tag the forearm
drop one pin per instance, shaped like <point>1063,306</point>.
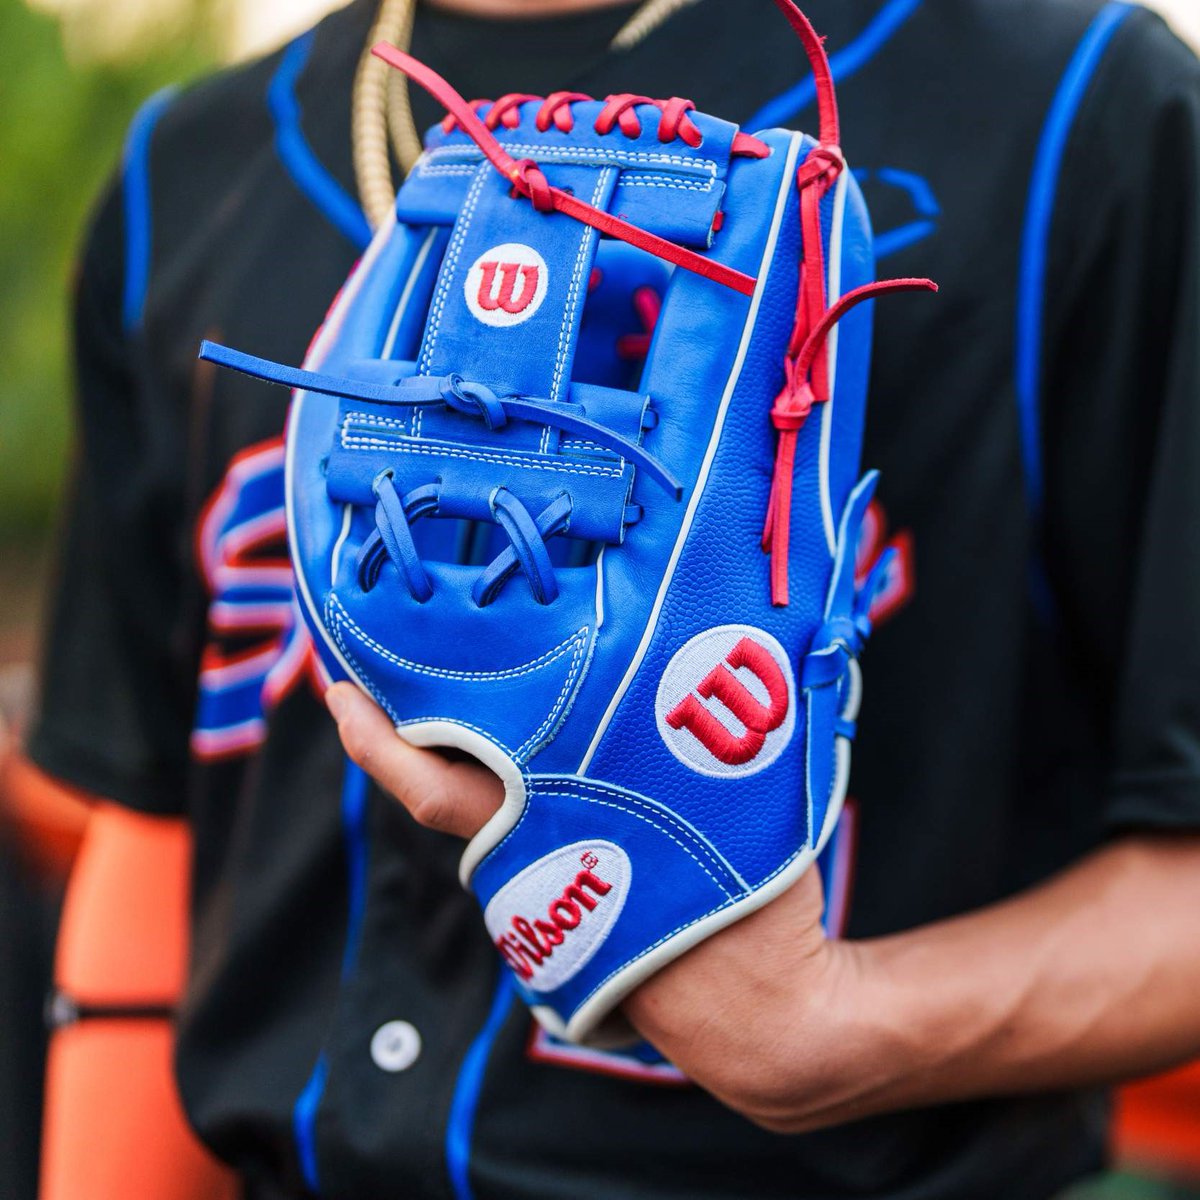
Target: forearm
<point>114,1124</point>
<point>1086,979</point>
<point>1089,978</point>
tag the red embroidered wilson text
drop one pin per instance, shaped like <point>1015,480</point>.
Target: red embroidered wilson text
<point>527,944</point>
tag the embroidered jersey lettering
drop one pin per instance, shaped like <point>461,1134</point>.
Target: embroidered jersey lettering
<point>241,550</point>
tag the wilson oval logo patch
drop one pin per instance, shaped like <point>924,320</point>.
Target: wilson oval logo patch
<point>550,920</point>
<point>726,704</point>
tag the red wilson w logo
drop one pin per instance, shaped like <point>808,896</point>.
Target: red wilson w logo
<point>505,298</point>
<point>506,285</point>
<point>721,684</point>
<point>725,704</point>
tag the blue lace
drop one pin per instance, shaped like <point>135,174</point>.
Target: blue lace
<point>392,537</point>
<point>842,638</point>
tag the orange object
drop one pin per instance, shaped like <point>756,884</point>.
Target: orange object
<point>1158,1122</point>
<point>115,1128</point>
<point>46,817</point>
<point>124,934</point>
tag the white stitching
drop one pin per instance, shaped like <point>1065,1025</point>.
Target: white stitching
<point>570,444</point>
<point>342,617</point>
<point>335,629</point>
<point>533,742</point>
<point>632,179</point>
<point>535,739</point>
<point>449,266</point>
<point>629,178</point>
<point>547,154</point>
<point>350,442</point>
<point>447,169</point>
<point>573,292</point>
<point>664,830</point>
<point>370,419</point>
<point>585,785</point>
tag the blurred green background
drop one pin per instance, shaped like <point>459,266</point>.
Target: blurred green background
<point>60,136</point>
<point>72,74</point>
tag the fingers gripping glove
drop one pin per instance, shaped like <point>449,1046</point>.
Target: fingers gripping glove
<point>529,463</point>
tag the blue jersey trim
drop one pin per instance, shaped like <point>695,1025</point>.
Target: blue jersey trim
<point>461,1124</point>
<point>299,160</point>
<point>135,189</point>
<point>355,790</point>
<point>846,62</point>
<point>304,1119</point>
<point>1035,246</point>
<point>925,205</point>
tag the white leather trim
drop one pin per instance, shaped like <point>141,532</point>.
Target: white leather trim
<point>450,734</point>
<point>312,361</point>
<point>617,988</point>
<point>335,559</point>
<point>785,187</point>
<point>406,296</point>
<point>834,290</point>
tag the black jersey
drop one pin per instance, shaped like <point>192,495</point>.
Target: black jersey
<point>1033,684</point>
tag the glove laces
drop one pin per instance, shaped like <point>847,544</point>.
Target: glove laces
<point>392,537</point>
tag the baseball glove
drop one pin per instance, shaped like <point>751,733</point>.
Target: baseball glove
<point>573,486</point>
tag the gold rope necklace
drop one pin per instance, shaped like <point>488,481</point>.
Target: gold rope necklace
<point>382,120</point>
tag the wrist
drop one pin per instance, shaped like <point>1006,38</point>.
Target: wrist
<point>851,1038</point>
<point>836,1052</point>
<point>769,1016</point>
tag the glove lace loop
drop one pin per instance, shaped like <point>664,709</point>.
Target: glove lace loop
<point>619,111</point>
<point>392,537</point>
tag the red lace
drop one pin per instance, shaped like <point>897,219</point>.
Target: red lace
<point>806,364</point>
<point>528,181</point>
<point>647,303</point>
<point>806,369</point>
<point>792,406</point>
<point>557,110</point>
<point>674,122</point>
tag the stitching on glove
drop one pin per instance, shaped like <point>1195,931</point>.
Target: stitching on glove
<point>339,614</point>
<point>622,797</point>
<point>618,158</point>
<point>449,269</point>
<point>661,828</point>
<point>574,293</point>
<point>538,738</point>
<point>631,180</point>
<point>446,448</point>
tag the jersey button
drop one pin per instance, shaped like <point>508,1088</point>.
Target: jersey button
<point>395,1046</point>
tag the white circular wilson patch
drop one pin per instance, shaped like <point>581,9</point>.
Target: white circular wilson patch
<point>726,704</point>
<point>507,285</point>
<point>549,920</point>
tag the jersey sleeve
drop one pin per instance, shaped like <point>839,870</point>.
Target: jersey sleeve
<point>1122,423</point>
<point>116,684</point>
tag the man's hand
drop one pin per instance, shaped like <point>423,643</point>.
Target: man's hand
<point>1088,978</point>
<point>722,1010</point>
<point>456,797</point>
